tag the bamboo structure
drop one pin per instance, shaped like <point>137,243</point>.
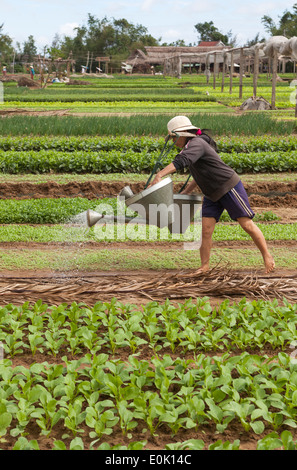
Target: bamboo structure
<point>276,50</point>
<point>46,64</point>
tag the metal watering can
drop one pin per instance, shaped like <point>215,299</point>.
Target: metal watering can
<point>156,205</point>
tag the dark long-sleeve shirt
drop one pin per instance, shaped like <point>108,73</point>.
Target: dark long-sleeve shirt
<point>210,173</point>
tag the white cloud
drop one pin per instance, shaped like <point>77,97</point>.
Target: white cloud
<point>262,8</point>
<point>42,41</point>
<point>211,8</point>
<point>67,29</point>
<point>147,5</point>
<point>171,35</point>
<point>117,7</point>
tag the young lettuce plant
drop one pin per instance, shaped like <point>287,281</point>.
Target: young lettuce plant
<point>146,410</point>
<point>100,419</point>
<point>5,420</point>
<point>127,421</point>
<point>74,415</point>
<point>49,412</point>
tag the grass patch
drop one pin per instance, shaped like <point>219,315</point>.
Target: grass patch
<point>128,178</point>
<point>65,259</point>
<point>80,233</point>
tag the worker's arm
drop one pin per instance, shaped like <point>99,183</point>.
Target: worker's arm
<point>190,187</point>
<point>168,170</point>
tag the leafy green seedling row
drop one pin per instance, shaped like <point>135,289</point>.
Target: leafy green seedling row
<point>79,161</point>
<point>46,210</point>
<point>61,210</point>
<point>114,327</point>
<point>272,441</point>
<point>95,396</point>
<point>239,144</point>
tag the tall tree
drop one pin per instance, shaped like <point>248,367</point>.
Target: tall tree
<point>209,32</point>
<point>254,41</point>
<point>287,25</point>
<point>106,37</point>
<point>6,48</point>
<point>29,48</point>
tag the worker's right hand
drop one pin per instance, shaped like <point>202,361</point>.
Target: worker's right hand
<point>156,180</point>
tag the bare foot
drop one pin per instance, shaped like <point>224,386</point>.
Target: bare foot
<point>201,270</point>
<point>269,263</point>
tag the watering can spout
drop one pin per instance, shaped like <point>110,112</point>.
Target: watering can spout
<point>126,192</point>
<point>93,217</point>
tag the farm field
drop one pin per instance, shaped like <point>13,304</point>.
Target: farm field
<point>109,339</point>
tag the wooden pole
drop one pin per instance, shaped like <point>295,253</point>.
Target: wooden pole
<point>207,68</point>
<point>223,73</point>
<point>87,64</point>
<point>91,62</point>
<point>296,103</point>
<point>274,77</point>
<point>179,66</point>
<point>231,73</point>
<point>214,70</point>
<point>40,71</point>
<point>241,73</point>
<point>296,92</point>
<point>256,70</point>
<point>69,64</point>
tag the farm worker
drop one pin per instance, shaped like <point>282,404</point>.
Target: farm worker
<point>220,185</point>
<point>32,72</point>
<point>4,70</point>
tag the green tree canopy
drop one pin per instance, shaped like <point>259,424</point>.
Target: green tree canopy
<point>255,40</point>
<point>29,48</point>
<point>6,48</point>
<point>106,37</point>
<point>209,32</point>
<point>287,25</point>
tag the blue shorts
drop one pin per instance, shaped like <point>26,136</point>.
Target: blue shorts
<point>235,202</point>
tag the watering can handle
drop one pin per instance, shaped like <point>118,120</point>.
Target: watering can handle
<point>160,158</point>
<point>184,185</point>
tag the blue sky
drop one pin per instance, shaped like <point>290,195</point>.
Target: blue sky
<point>169,19</point>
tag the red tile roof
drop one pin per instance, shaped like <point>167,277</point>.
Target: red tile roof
<point>209,43</point>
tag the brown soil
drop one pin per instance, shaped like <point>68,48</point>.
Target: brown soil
<point>27,112</point>
<point>271,193</point>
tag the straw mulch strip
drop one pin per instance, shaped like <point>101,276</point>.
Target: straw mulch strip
<point>216,283</point>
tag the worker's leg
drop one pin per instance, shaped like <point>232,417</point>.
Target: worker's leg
<point>208,226</point>
<point>211,213</point>
<point>257,236</point>
<point>237,204</point>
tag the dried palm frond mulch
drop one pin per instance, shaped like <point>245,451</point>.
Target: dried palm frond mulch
<point>90,288</point>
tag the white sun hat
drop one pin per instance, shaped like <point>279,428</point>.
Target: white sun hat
<point>180,125</point>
